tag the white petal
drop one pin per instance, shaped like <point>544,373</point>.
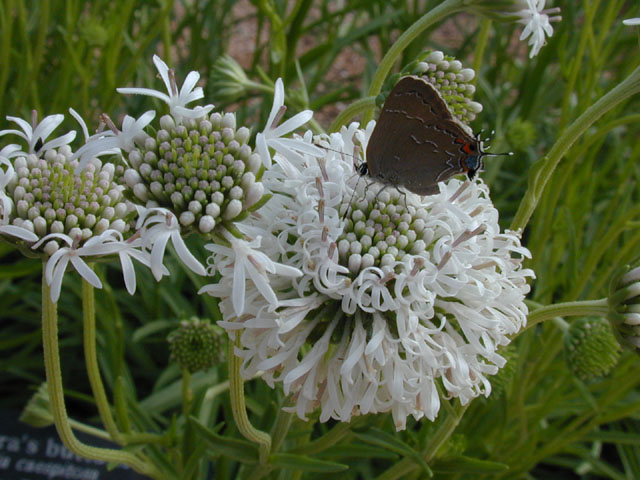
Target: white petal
<point>80,120</point>
<point>24,125</point>
<point>278,101</point>
<point>163,70</point>
<point>238,289</point>
<point>19,232</point>
<point>188,86</point>
<point>55,280</point>
<point>196,112</point>
<point>157,254</point>
<point>65,139</point>
<point>85,271</point>
<point>292,123</point>
<point>263,150</point>
<point>144,91</point>
<point>185,255</point>
<point>128,272</point>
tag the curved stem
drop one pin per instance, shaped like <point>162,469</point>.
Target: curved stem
<point>568,309</point>
<point>238,405</point>
<point>541,172</point>
<point>91,362</point>
<point>432,16</point>
<point>439,437</point>
<point>356,108</point>
<point>56,396</point>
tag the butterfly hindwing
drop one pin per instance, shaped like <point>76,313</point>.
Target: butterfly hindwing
<point>417,142</point>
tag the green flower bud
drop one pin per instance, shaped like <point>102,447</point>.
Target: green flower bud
<point>591,349</point>
<point>228,82</point>
<point>520,134</point>
<point>624,306</point>
<point>196,345</point>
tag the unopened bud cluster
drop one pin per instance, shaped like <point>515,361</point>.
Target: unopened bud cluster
<point>380,233</point>
<point>201,169</point>
<point>591,348</point>
<point>452,81</point>
<point>49,197</point>
<point>196,345</point>
<point>624,306</point>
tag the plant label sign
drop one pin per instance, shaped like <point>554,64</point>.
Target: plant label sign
<point>28,453</point>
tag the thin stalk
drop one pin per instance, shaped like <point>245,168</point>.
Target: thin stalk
<point>239,408</point>
<point>356,108</point>
<point>56,396</point>
<point>408,465</point>
<point>481,46</point>
<point>541,172</point>
<point>443,10</point>
<point>91,362</point>
<point>568,309</point>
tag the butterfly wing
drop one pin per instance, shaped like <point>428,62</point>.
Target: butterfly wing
<point>416,142</point>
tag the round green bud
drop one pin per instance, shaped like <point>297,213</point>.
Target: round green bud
<point>196,345</point>
<point>591,348</point>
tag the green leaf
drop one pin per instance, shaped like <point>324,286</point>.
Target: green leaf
<point>234,448</point>
<point>358,451</point>
<point>304,463</point>
<point>151,328</point>
<point>462,464</point>
<point>390,442</point>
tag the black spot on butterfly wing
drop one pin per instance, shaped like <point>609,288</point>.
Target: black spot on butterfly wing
<point>417,142</point>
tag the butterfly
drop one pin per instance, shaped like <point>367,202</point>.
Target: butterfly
<point>417,142</point>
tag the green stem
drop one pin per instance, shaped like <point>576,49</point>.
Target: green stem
<point>481,46</point>
<point>187,394</point>
<point>91,361</point>
<point>239,409</point>
<point>329,439</point>
<point>56,396</point>
<point>280,429</point>
<point>356,108</point>
<point>444,431</point>
<point>541,172</point>
<point>443,10</point>
<point>569,309</point>
<point>407,465</point>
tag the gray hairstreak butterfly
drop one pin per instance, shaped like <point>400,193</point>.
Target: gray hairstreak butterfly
<point>417,142</point>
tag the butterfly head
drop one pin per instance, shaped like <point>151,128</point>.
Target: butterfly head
<point>475,152</point>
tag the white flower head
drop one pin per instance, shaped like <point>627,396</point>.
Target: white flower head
<point>105,143</point>
<point>36,135</point>
<point>272,135</point>
<point>537,24</point>
<point>177,100</point>
<point>632,22</point>
<point>400,294</point>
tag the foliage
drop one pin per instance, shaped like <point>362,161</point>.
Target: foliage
<point>57,54</point>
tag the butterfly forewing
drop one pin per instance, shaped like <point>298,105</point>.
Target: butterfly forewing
<point>416,142</point>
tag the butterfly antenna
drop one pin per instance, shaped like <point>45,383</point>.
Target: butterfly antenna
<point>355,188</point>
<point>510,154</point>
<point>487,154</point>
